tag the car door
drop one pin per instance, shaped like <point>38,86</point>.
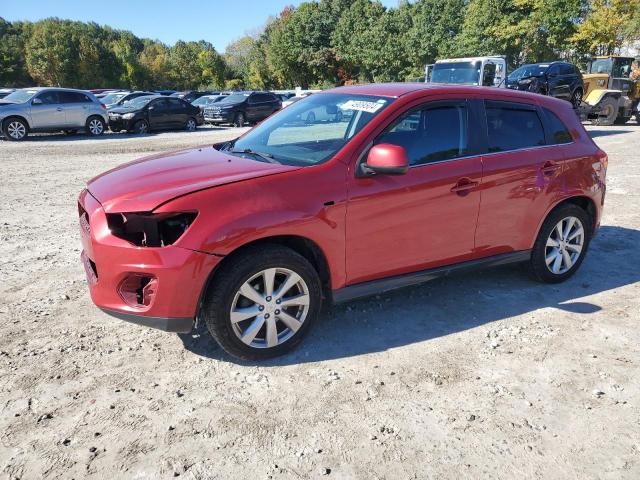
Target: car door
<point>47,111</point>
<point>177,113</point>
<point>521,177</point>
<point>158,112</point>
<point>260,106</point>
<point>426,218</point>
<point>76,108</point>
<point>555,82</point>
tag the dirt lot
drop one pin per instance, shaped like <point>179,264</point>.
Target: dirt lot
<point>479,376</point>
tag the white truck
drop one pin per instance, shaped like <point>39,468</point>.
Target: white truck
<point>486,71</point>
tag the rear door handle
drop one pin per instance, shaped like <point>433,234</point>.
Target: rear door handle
<point>464,185</point>
<point>549,168</point>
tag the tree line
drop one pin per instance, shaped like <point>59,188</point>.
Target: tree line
<point>319,44</point>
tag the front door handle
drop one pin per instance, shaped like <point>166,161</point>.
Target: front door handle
<point>59,109</point>
<point>463,186</point>
<point>549,168</point>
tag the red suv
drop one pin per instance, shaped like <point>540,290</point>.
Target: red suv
<point>393,185</point>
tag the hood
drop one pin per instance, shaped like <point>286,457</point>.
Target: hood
<point>142,185</point>
<point>113,108</point>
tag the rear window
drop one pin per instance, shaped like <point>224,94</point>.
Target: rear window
<point>513,126</point>
<point>558,130</point>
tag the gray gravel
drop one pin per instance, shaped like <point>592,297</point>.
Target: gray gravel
<point>474,376</point>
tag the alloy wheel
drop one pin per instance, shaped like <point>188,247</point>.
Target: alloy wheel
<point>96,127</point>
<point>16,130</point>
<point>270,307</point>
<point>191,125</point>
<point>564,245</point>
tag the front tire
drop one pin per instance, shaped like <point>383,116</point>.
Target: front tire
<point>15,129</point>
<point>608,112</point>
<point>262,303</point>
<point>239,120</point>
<point>576,98</point>
<point>95,126</point>
<point>140,127</point>
<point>561,244</point>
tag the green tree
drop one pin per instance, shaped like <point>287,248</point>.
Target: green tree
<point>607,25</point>
<point>51,53</point>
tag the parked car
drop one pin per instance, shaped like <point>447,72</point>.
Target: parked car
<point>291,100</point>
<point>241,107</point>
<point>202,102</point>
<point>556,79</point>
<point>6,91</point>
<point>164,92</point>
<point>118,99</point>
<point>190,96</point>
<point>251,235</point>
<point>154,112</point>
<point>49,110</point>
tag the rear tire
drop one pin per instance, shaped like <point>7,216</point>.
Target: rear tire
<point>15,129</point>
<point>263,326</point>
<point>561,244</point>
<point>576,98</point>
<point>95,126</point>
<point>191,125</point>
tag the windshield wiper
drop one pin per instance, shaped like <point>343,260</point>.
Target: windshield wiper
<point>267,157</point>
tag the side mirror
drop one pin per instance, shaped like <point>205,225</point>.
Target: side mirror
<point>385,159</point>
<point>151,108</point>
<point>36,101</point>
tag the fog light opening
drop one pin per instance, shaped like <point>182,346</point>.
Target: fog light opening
<point>138,290</point>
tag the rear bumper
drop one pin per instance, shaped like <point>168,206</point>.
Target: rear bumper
<point>179,274</point>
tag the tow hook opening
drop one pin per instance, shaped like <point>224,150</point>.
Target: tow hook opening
<point>138,290</point>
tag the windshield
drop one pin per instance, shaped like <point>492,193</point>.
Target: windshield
<point>467,73</point>
<point>527,71</point>
<point>235,98</point>
<point>139,102</point>
<point>618,67</point>
<point>310,131</point>
<point>20,96</point>
<point>112,98</point>
<point>202,101</point>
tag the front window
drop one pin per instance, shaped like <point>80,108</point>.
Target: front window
<point>201,101</point>
<point>528,71</point>
<point>20,96</point>
<point>112,98</point>
<point>235,98</point>
<point>601,65</point>
<point>467,73</point>
<point>139,102</point>
<point>622,67</point>
<point>310,131</point>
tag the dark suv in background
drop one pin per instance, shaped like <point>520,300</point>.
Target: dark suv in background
<point>556,79</point>
<point>241,107</point>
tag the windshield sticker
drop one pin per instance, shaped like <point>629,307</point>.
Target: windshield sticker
<point>369,107</point>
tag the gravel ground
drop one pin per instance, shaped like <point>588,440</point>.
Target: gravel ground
<point>473,376</point>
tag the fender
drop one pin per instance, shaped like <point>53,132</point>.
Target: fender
<point>594,97</point>
<point>240,213</point>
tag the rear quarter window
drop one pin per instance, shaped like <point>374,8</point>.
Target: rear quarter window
<point>557,129</point>
<point>513,126</point>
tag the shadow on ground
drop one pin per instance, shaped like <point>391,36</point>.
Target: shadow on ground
<point>54,137</point>
<point>453,304</point>
<point>607,133</point>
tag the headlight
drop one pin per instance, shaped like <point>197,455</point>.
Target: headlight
<point>147,229</point>
<point>128,116</point>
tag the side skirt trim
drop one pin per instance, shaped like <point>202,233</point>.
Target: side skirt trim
<point>372,287</point>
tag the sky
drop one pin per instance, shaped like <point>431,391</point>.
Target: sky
<point>216,21</point>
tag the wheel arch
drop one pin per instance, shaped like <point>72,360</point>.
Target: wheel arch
<point>19,117</point>
<point>582,201</point>
<point>301,245</point>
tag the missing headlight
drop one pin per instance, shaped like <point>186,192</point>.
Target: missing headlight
<point>150,229</point>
